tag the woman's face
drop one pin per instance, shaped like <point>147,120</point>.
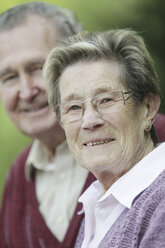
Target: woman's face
<point>107,144</point>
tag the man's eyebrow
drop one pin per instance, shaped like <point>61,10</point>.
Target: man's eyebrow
<point>35,61</point>
<point>29,63</point>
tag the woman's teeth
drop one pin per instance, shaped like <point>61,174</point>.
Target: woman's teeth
<point>97,143</point>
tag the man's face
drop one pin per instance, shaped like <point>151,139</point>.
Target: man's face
<point>23,51</point>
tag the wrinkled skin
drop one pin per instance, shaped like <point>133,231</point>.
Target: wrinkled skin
<point>122,127</point>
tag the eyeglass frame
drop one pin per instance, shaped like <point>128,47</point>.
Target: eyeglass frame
<point>94,104</point>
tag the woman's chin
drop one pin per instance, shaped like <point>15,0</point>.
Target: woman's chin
<point>96,164</point>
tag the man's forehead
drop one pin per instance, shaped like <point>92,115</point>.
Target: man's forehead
<point>34,24</point>
<point>29,43</point>
<point>27,64</point>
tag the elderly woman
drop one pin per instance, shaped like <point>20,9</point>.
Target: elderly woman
<point>104,90</point>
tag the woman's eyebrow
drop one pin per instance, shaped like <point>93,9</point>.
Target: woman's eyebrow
<point>78,97</point>
<point>72,97</point>
<point>102,90</point>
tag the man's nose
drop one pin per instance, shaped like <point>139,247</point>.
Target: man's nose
<point>27,88</point>
<point>91,118</point>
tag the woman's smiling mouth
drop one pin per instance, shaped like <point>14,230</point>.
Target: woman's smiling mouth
<point>100,142</point>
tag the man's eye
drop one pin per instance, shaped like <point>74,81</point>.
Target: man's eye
<point>38,68</point>
<point>9,78</point>
<point>35,68</point>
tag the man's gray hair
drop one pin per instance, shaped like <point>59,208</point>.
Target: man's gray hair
<point>62,20</point>
<point>123,46</point>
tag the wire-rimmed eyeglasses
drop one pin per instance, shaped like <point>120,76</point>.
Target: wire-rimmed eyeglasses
<point>74,110</point>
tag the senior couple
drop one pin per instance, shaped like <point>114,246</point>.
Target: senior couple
<point>104,91</point>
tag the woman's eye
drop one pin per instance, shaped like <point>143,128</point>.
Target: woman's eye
<point>105,100</point>
<point>74,107</point>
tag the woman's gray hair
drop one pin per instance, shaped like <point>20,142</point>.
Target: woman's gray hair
<point>62,20</point>
<point>123,46</point>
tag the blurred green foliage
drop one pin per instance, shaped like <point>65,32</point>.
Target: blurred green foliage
<point>145,16</point>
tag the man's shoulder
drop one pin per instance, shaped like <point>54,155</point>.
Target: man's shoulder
<point>23,154</point>
<point>19,163</point>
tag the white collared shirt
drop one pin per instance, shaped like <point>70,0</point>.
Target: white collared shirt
<point>102,210</point>
<point>58,184</point>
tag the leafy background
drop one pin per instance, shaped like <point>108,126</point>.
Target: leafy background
<point>145,16</point>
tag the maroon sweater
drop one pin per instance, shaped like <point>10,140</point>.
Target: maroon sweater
<point>21,224</point>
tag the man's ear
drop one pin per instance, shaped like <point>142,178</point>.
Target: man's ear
<point>152,104</point>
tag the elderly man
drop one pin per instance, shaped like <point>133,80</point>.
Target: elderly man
<point>39,207</point>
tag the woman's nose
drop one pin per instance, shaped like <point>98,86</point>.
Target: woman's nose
<point>91,118</point>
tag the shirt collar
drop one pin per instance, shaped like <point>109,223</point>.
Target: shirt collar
<point>131,184</point>
<point>39,158</point>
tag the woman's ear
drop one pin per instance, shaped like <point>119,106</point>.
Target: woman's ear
<point>152,104</point>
